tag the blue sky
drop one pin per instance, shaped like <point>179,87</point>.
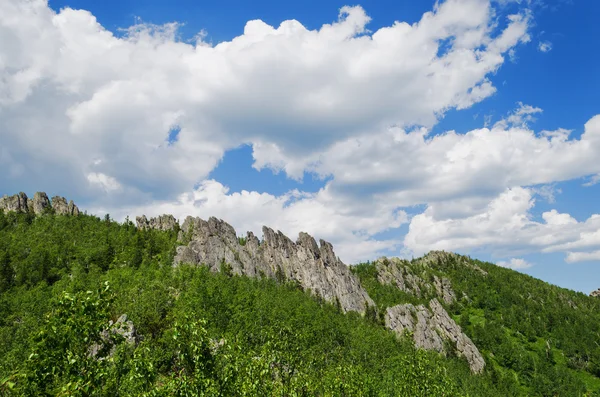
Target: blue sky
<point>341,131</point>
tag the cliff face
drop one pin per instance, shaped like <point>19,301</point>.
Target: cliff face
<point>40,202</point>
<point>430,326</point>
<point>314,267</point>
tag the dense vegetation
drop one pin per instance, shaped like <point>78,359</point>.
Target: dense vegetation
<point>64,281</point>
<point>536,338</point>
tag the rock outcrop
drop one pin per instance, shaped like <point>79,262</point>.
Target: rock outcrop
<point>61,207</point>
<point>215,244</point>
<point>402,274</point>
<point>16,203</point>
<point>39,203</point>
<point>163,222</point>
<point>124,328</point>
<point>442,259</point>
<point>595,293</point>
<point>21,203</point>
<point>444,290</point>
<point>430,327</point>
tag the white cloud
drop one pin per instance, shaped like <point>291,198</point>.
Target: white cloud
<point>545,46</point>
<point>515,263</point>
<point>505,227</point>
<point>573,257</point>
<point>88,112</point>
<point>520,117</point>
<point>77,100</point>
<point>103,181</point>
<point>594,179</point>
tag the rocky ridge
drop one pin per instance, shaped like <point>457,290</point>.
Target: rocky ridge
<point>315,267</point>
<point>405,276</point>
<point>40,203</point>
<point>595,293</point>
<point>215,244</point>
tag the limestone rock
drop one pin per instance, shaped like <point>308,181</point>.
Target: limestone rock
<point>39,203</point>
<point>21,203</point>
<point>17,203</point>
<point>431,327</point>
<point>122,327</point>
<point>400,318</point>
<point>72,209</point>
<point>214,243</point>
<point>452,331</point>
<point>443,259</point>
<point>162,222</point>
<point>595,293</point>
<point>444,289</point>
<point>61,207</point>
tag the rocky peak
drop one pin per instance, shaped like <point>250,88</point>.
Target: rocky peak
<point>16,203</point>
<point>214,243</point>
<point>595,293</point>
<point>40,202</point>
<point>162,222</point>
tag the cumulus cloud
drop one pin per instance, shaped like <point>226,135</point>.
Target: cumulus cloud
<point>583,256</point>
<point>92,114</point>
<point>515,263</point>
<point>505,227</point>
<point>72,93</point>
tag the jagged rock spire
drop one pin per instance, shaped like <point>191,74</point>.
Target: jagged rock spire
<point>21,203</point>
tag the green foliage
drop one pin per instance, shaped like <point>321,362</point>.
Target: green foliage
<point>215,334</point>
<point>537,339</point>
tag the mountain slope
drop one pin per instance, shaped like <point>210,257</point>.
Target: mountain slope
<point>214,329</point>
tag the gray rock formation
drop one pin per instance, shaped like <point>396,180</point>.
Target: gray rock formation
<point>122,328</point>
<point>595,293</point>
<point>430,327</point>
<point>17,203</point>
<point>314,267</point>
<point>452,331</point>
<point>39,203</point>
<point>21,203</point>
<point>163,222</point>
<point>443,259</point>
<point>401,273</point>
<point>61,207</point>
<point>444,289</point>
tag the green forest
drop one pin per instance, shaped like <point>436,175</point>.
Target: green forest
<point>66,281</point>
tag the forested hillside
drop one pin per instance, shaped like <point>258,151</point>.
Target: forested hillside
<point>66,283</point>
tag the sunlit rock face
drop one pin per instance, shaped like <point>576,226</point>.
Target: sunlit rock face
<point>214,243</point>
<point>40,203</point>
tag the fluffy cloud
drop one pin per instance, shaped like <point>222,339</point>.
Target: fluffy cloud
<point>506,227</point>
<point>90,114</point>
<point>76,100</point>
<point>515,263</point>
